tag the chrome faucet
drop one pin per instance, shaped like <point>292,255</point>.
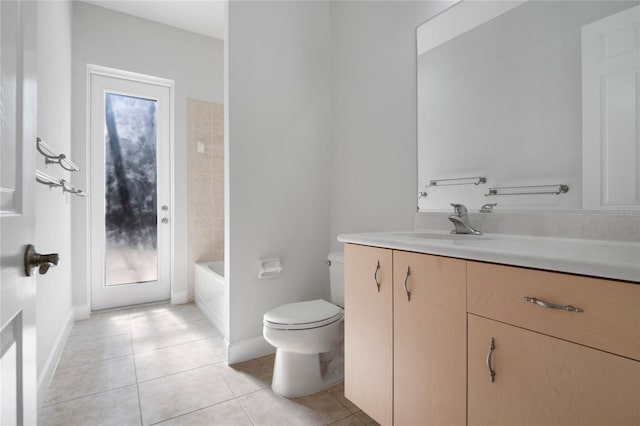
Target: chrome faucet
<point>460,220</point>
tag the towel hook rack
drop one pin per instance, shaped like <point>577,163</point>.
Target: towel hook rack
<point>53,182</point>
<point>52,157</point>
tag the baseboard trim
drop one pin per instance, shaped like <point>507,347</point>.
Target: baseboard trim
<point>211,316</point>
<point>81,312</point>
<point>179,297</point>
<point>44,379</point>
<point>245,350</point>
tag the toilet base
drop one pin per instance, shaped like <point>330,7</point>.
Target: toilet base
<point>297,374</point>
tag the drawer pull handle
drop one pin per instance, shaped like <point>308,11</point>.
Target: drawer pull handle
<point>405,284</point>
<point>552,305</point>
<point>492,373</point>
<point>375,276</point>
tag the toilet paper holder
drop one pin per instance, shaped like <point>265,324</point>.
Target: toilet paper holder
<point>269,268</point>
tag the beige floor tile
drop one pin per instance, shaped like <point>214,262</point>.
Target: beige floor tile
<point>337,391</point>
<point>352,420</point>
<point>249,376</point>
<point>182,393</point>
<point>96,350</point>
<point>364,418</point>
<point>74,382</point>
<point>88,330</point>
<point>120,314</point>
<point>228,413</point>
<point>118,407</point>
<point>192,314</point>
<point>148,339</point>
<point>174,359</point>
<point>156,307</point>
<point>153,319</point>
<point>266,408</point>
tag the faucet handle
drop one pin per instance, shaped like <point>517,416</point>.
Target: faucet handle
<point>459,209</point>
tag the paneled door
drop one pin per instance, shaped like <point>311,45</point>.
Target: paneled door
<point>130,144</point>
<point>611,111</point>
<point>17,178</point>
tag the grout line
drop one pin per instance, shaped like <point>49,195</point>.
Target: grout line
<point>152,329</point>
<point>135,371</point>
<point>191,412</point>
<point>171,346</point>
<point>68,367</point>
<point>246,413</point>
<point>85,363</point>
<point>88,394</point>
<point>180,372</point>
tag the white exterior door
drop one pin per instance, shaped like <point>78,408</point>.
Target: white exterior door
<point>611,111</point>
<point>130,143</point>
<point>17,178</point>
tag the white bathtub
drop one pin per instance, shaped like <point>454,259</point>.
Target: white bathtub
<point>211,292</point>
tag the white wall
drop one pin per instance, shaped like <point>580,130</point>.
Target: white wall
<point>277,163</point>
<point>194,62</point>
<point>53,209</point>
<point>373,155</point>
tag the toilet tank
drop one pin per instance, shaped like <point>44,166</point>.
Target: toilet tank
<point>336,277</point>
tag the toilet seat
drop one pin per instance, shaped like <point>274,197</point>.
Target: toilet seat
<point>303,315</point>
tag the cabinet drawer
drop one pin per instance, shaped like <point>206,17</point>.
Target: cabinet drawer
<point>610,320</point>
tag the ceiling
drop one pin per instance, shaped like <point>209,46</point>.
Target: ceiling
<point>204,17</point>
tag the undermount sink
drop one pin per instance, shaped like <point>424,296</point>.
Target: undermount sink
<point>439,236</point>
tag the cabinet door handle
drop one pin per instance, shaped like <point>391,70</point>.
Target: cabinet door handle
<point>552,305</point>
<point>405,284</point>
<point>492,373</point>
<point>375,276</point>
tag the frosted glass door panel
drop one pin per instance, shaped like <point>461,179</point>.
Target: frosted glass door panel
<point>130,240</point>
<point>131,221</point>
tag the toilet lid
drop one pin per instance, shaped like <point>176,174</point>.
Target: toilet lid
<point>302,315</point>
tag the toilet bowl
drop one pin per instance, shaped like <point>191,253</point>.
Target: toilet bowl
<point>301,332</point>
<point>308,338</point>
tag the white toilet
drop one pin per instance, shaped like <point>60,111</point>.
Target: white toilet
<point>308,338</point>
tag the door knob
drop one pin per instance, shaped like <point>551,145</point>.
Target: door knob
<point>43,262</point>
<point>165,220</point>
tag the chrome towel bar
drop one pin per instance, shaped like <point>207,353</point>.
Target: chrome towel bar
<point>528,190</point>
<point>474,180</point>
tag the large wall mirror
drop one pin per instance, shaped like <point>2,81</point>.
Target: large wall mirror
<point>530,105</point>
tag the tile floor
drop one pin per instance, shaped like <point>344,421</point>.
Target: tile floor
<point>165,365</point>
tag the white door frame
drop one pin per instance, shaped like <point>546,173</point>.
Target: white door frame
<point>143,78</point>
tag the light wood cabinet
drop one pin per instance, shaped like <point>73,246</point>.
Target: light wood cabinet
<point>405,357</point>
<point>368,330</point>
<point>422,359</point>
<point>429,332</point>
<point>610,319</point>
<point>542,380</point>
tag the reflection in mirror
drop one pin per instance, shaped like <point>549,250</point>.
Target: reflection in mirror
<point>516,92</point>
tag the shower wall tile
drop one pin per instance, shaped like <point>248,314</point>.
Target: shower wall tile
<point>205,183</point>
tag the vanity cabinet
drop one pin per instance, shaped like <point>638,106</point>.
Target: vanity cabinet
<point>423,333</point>
<point>405,336</point>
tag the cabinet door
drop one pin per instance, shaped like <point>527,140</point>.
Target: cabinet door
<point>368,329</point>
<point>430,328</point>
<point>541,380</point>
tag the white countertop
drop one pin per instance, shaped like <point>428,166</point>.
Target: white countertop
<point>606,259</point>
